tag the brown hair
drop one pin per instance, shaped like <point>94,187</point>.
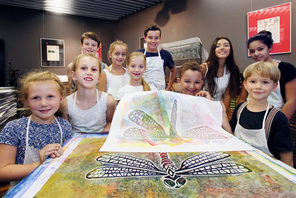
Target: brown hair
<point>77,59</point>
<point>213,65</point>
<point>91,35</point>
<point>264,69</point>
<point>191,65</point>
<point>38,76</point>
<point>152,27</point>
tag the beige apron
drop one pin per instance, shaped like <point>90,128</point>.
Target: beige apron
<point>254,137</point>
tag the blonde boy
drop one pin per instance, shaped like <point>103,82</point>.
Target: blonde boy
<point>258,123</point>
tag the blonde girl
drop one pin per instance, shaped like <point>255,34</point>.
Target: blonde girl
<point>26,142</point>
<point>115,76</point>
<point>136,66</point>
<point>89,110</point>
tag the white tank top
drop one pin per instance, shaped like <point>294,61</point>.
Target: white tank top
<point>115,82</point>
<point>92,120</point>
<point>222,84</point>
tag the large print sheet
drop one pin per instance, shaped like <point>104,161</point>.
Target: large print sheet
<point>169,122</point>
<point>87,172</point>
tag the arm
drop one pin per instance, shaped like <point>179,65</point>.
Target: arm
<point>64,109</point>
<point>173,74</point>
<point>109,112</point>
<point>225,124</point>
<point>10,171</point>
<point>102,81</point>
<point>69,73</point>
<point>287,157</point>
<point>242,95</point>
<point>290,105</point>
<point>204,68</point>
<point>226,101</point>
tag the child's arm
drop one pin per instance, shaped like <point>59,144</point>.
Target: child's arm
<point>102,81</point>
<point>109,113</point>
<point>290,105</point>
<point>172,77</point>
<point>64,109</point>
<point>10,171</point>
<point>226,101</point>
<point>225,124</point>
<point>287,157</point>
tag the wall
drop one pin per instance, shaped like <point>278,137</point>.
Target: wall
<point>22,29</point>
<point>207,19</point>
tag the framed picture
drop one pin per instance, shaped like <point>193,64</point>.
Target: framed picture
<point>277,20</point>
<point>52,52</point>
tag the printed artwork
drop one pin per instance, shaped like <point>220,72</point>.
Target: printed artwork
<point>87,172</point>
<point>169,122</point>
<point>204,164</point>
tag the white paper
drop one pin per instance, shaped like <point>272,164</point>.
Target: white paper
<point>169,122</point>
<point>53,53</point>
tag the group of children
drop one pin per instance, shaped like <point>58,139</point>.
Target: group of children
<point>27,142</point>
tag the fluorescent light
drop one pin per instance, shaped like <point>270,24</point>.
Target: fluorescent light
<point>59,6</point>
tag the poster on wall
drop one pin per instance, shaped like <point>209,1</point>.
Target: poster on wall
<point>52,52</point>
<point>277,20</point>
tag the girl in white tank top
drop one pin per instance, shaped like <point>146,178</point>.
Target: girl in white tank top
<point>88,110</point>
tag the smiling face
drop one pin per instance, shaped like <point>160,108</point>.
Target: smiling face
<point>222,50</point>
<point>136,68</point>
<point>259,87</point>
<point>118,55</point>
<point>43,99</point>
<point>191,82</point>
<point>259,51</point>
<point>87,72</point>
<point>89,46</point>
<point>152,39</point>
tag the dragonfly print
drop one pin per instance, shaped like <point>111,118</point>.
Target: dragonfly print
<point>203,164</point>
<point>152,132</point>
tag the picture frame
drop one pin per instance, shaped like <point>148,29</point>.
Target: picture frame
<point>277,20</point>
<point>52,52</point>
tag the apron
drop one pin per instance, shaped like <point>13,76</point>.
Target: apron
<point>275,98</point>
<point>154,73</point>
<point>254,137</point>
<point>32,154</point>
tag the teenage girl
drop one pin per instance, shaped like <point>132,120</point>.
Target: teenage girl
<point>115,76</point>
<point>136,66</point>
<point>284,96</point>
<point>26,142</point>
<point>191,83</point>
<point>89,110</point>
<point>222,73</point>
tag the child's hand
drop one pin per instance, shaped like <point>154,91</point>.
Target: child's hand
<point>52,150</point>
<point>204,94</point>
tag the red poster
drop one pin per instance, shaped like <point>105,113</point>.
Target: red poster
<point>277,20</point>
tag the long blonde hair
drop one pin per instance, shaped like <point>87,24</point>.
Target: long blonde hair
<point>146,86</point>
